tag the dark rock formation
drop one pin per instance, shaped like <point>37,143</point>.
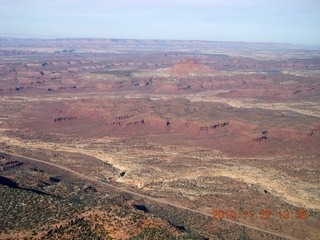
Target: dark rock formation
<point>63,119</point>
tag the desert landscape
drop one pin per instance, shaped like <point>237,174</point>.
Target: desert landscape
<point>158,139</point>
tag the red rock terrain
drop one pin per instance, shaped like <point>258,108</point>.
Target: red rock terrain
<point>190,68</point>
<point>203,125</point>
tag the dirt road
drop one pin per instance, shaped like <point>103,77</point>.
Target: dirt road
<point>144,196</point>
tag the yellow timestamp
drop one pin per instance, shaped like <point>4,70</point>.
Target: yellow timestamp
<point>263,214</point>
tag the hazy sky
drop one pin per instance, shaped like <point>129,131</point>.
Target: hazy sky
<point>291,21</point>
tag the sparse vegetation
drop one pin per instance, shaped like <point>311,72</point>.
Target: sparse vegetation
<point>207,126</point>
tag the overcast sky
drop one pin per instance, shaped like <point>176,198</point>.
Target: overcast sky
<point>290,21</point>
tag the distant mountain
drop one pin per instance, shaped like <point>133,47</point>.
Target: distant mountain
<point>6,40</point>
<point>190,67</point>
